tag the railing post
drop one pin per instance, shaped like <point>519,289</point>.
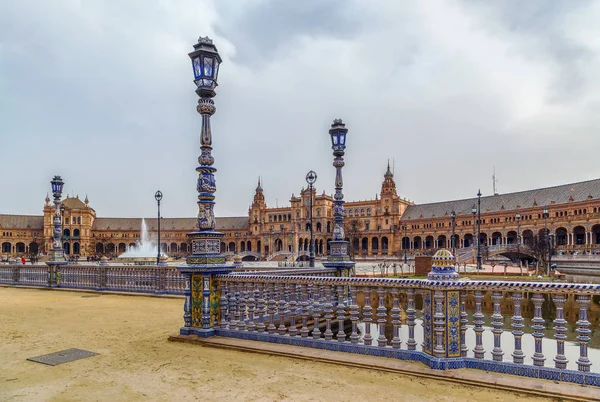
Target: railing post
<point>16,274</point>
<point>411,315</point>
<point>464,321</point>
<point>479,351</point>
<point>538,329</point>
<point>560,332</point>
<point>497,324</point>
<point>583,333</point>
<point>517,326</point>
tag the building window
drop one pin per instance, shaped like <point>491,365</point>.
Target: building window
<point>369,212</point>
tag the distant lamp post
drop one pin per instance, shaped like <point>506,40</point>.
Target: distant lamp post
<point>57,253</point>
<point>474,212</point>
<point>453,239</point>
<point>479,230</point>
<point>311,178</point>
<point>158,196</point>
<point>518,216</point>
<point>545,215</point>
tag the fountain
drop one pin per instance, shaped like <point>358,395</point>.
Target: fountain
<point>144,251</point>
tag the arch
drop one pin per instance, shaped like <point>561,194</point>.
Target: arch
<point>76,248</point>
<point>579,235</point>
<point>511,237</point>
<point>364,245</point>
<point>223,247</point>
<point>122,247</point>
<point>328,227</point>
<point>300,244</point>
<point>496,238</point>
<point>456,241</point>
<point>173,248</point>
<point>163,248</point>
<point>528,237</point>
<point>20,247</point>
<point>483,237</point>
<point>183,247</point>
<point>468,240</point>
<point>374,245</point>
<point>318,226</point>
<point>242,247</point>
<point>405,243</point>
<point>308,226</point>
<point>306,245</point>
<point>417,242</point>
<point>561,236</point>
<point>266,250</point>
<point>99,248</point>
<point>6,247</point>
<point>258,245</point>
<point>278,245</point>
<point>66,247</point>
<point>76,233</point>
<point>329,246</point>
<point>384,244</point>
<point>596,234</point>
<point>231,247</point>
<point>441,241</point>
<point>249,245</point>
<point>34,248</point>
<point>67,233</point>
<point>110,248</point>
<point>355,246</point>
<point>131,245</point>
<point>429,242</point>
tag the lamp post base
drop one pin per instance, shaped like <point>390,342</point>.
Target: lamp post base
<point>339,258</point>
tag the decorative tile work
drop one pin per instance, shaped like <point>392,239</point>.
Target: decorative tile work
<point>453,323</point>
<point>196,302</point>
<point>215,295</point>
<point>427,333</point>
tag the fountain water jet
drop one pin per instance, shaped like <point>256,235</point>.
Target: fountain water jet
<point>144,251</point>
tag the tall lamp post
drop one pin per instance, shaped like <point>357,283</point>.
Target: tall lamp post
<point>338,255</point>
<point>206,259</point>
<point>311,178</point>
<point>57,253</point>
<point>158,196</point>
<point>478,229</point>
<point>453,239</point>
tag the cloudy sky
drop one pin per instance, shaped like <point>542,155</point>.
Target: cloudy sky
<point>101,93</point>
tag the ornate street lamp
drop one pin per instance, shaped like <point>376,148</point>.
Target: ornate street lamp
<point>206,258</point>
<point>158,196</point>
<point>57,253</point>
<point>311,178</point>
<point>478,229</point>
<point>338,254</point>
<point>452,240</point>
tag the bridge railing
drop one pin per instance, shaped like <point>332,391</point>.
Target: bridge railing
<point>409,319</point>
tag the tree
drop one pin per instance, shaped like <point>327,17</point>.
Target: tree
<point>353,229</point>
<point>541,247</point>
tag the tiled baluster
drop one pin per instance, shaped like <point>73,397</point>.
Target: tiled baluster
<point>396,319</point>
<point>353,314</point>
<point>281,309</point>
<point>328,310</point>
<point>497,324</point>
<point>243,303</point>
<point>293,309</point>
<point>251,303</point>
<point>304,308</point>
<point>341,314</point>
<point>223,303</point>
<point>260,307</point>
<point>232,306</point>
<point>316,311</point>
<point>517,326</point>
<point>367,316</point>
<point>187,306</point>
<point>538,329</point>
<point>478,325</point>
<point>271,307</point>
<point>464,321</point>
<point>238,307</point>
<point>381,318</point>
<point>583,333</point>
<point>560,361</point>
<point>439,324</point>
<point>411,315</point>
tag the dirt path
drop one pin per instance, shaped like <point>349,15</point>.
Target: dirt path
<point>136,362</point>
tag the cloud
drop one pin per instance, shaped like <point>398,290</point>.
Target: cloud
<point>102,93</point>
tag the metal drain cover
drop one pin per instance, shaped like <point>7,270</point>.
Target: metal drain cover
<point>64,356</point>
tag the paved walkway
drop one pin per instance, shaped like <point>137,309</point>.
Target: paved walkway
<point>136,362</point>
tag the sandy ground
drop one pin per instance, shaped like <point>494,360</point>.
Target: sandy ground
<point>136,362</point>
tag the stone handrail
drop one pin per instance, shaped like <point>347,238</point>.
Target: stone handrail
<point>379,316</point>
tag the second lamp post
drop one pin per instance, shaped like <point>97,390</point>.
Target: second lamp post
<point>158,197</point>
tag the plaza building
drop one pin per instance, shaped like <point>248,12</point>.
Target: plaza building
<point>385,227</point>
